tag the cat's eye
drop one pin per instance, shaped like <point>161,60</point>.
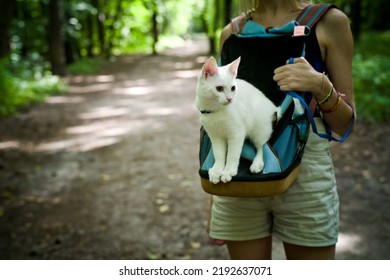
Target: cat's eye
<point>219,88</point>
<point>233,88</point>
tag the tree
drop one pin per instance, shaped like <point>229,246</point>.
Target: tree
<point>356,18</point>
<point>228,10</point>
<point>100,18</point>
<point>113,19</point>
<point>6,14</point>
<point>56,44</point>
<point>155,31</point>
<point>365,14</point>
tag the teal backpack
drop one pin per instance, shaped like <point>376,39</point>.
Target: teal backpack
<point>261,51</point>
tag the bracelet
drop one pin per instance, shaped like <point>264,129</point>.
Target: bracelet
<point>334,108</point>
<point>323,82</point>
<point>327,97</point>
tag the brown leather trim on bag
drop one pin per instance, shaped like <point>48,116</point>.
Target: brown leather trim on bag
<point>250,189</point>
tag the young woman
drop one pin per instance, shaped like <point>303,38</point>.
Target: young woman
<point>306,216</point>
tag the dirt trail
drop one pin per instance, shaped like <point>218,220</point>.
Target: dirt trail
<point>109,171</point>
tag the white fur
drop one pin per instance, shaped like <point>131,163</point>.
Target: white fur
<point>234,116</point>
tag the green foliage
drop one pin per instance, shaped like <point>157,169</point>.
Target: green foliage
<point>8,91</point>
<point>371,72</point>
<point>175,18</point>
<point>374,43</point>
<point>18,88</point>
<point>104,28</point>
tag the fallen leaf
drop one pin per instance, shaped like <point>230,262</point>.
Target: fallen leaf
<point>160,201</point>
<point>366,174</point>
<point>164,209</point>
<point>187,184</point>
<point>195,245</point>
<point>358,186</point>
<point>186,257</point>
<point>153,256</point>
<point>162,195</point>
<point>56,200</point>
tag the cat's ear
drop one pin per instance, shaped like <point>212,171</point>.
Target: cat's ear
<point>210,68</point>
<point>234,66</point>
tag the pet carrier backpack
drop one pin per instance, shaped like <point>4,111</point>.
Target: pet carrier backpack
<point>261,51</point>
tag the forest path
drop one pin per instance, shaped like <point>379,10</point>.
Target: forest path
<point>109,171</point>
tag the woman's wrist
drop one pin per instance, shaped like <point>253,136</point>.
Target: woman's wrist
<point>324,89</point>
<point>326,98</point>
<point>333,108</point>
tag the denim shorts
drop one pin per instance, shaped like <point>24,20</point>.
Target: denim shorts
<point>307,214</point>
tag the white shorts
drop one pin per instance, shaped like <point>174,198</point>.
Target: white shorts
<point>307,214</point>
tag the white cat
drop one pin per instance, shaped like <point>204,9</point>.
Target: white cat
<point>232,110</point>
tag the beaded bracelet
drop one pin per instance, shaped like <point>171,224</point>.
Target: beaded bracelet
<point>334,108</point>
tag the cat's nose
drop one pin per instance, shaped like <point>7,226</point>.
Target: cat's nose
<point>229,99</point>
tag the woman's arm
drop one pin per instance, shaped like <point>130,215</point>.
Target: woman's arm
<point>335,39</point>
<point>226,32</point>
<point>334,33</point>
<point>234,27</point>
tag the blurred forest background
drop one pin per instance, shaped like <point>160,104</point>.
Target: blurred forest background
<point>42,40</point>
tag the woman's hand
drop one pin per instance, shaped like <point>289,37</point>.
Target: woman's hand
<point>299,76</point>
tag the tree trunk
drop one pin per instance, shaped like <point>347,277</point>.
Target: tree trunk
<point>69,44</point>
<point>213,39</point>
<point>101,17</point>
<point>6,13</point>
<point>356,18</point>
<point>155,29</point>
<point>56,46</point>
<point>206,27</point>
<point>110,41</point>
<point>228,10</point>
<point>89,31</point>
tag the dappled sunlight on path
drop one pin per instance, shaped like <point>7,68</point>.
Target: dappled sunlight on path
<point>139,93</point>
<point>115,163</point>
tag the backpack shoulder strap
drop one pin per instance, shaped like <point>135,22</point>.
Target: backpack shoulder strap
<point>238,23</point>
<point>313,13</point>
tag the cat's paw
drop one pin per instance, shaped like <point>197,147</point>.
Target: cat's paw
<point>228,175</point>
<point>226,178</point>
<point>215,175</point>
<point>257,167</point>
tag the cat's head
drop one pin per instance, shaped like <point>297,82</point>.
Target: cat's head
<point>218,83</point>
